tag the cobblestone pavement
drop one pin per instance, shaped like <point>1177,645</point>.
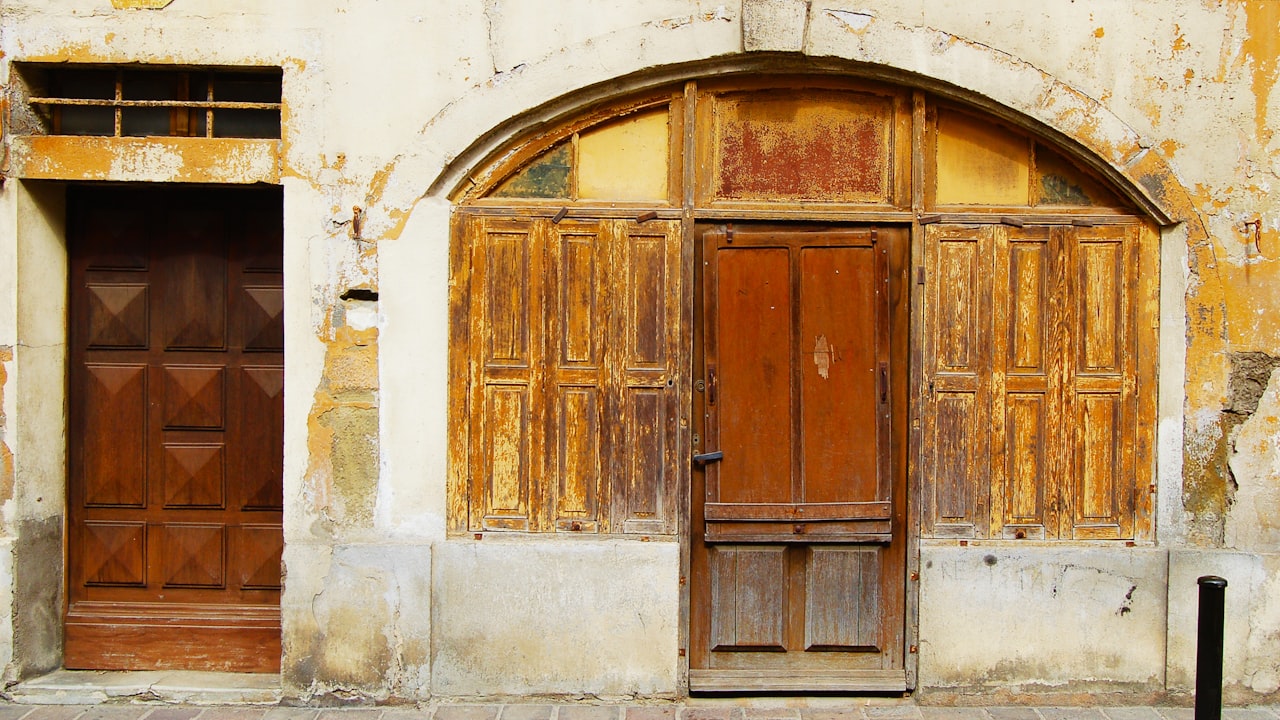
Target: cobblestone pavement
<point>830,710</point>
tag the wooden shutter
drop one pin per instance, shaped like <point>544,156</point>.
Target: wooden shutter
<point>506,369</point>
<point>958,351</point>
<point>1032,352</point>
<point>1029,330</point>
<point>1100,381</point>
<point>572,348</point>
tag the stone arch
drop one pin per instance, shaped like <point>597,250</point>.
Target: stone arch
<point>773,36</point>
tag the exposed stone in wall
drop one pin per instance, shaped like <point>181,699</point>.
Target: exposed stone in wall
<point>342,476</point>
<point>1254,421</point>
<point>1250,375</point>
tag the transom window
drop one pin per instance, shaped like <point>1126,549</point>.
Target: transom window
<point>140,101</point>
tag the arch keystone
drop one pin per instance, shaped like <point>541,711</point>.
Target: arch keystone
<point>774,25</point>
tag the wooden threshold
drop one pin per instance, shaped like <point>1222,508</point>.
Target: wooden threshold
<point>797,681</point>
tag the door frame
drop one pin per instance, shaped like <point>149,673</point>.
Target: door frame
<point>905,324</point>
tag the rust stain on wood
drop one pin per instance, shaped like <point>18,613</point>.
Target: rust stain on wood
<point>803,146</point>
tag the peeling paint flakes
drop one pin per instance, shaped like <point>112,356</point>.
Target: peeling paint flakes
<point>140,4</point>
<point>1263,47</point>
<point>146,161</point>
<point>720,13</point>
<point>823,356</point>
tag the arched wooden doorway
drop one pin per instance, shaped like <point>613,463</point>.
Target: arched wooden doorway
<point>800,324</point>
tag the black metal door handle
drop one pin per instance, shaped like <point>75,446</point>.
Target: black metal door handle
<point>708,457</point>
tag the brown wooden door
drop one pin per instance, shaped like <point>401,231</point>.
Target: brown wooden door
<point>798,548</point>
<point>176,450</point>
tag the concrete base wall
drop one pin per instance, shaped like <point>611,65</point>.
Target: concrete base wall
<point>1251,635</point>
<point>1042,619</point>
<point>356,622</point>
<point>555,617</point>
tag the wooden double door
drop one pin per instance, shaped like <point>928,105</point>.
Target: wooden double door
<point>176,432</point>
<point>798,525</point>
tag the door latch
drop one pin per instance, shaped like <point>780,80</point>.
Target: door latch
<point>708,457</point>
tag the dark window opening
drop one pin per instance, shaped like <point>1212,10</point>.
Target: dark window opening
<point>139,101</point>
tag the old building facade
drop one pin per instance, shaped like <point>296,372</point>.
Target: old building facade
<point>641,349</point>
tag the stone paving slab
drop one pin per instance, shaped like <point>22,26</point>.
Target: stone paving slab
<point>774,709</point>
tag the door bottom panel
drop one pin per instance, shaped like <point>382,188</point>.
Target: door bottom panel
<point>146,636</point>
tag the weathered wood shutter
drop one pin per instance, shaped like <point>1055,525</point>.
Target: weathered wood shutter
<point>573,332</point>
<point>1032,366</point>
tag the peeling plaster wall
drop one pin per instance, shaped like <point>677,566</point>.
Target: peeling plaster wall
<point>386,106</point>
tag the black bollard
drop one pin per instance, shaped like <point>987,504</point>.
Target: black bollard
<point>1213,591</point>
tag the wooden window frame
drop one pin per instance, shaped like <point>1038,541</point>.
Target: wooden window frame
<point>912,203</point>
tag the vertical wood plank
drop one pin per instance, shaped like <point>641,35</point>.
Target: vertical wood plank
<point>1143,276</point>
<point>753,335</point>
<point>576,378</point>
<point>748,597</point>
<point>464,234</point>
<point>958,369</point>
<point>644,372</point>
<point>579,452</point>
<point>843,609</point>
<point>645,454</point>
<point>1097,425</point>
<point>1101,288</point>
<point>1021,396</point>
<point>1102,393</point>
<point>193,283</point>
<point>506,375</point>
<point>506,284</point>
<point>1024,490</point>
<point>508,441</point>
<point>839,287</point>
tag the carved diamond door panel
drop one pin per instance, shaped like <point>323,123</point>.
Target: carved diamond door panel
<point>176,442</point>
<point>798,547</point>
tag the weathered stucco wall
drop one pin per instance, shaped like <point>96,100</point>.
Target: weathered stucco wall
<point>593,618</point>
<point>1251,669</point>
<point>387,107</point>
<point>1015,620</point>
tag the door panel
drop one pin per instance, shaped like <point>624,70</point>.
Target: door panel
<point>750,380</point>
<point>798,548</point>
<point>176,433</point>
